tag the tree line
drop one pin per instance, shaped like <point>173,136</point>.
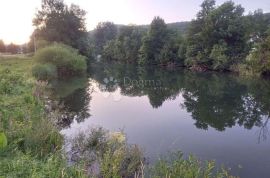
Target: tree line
<point>220,38</point>
<point>12,48</point>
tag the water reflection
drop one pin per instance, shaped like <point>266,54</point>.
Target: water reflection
<point>72,98</point>
<point>214,100</point>
<point>157,109</point>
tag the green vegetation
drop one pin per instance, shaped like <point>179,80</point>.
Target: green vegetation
<point>58,61</point>
<point>104,32</point>
<point>220,38</point>
<point>176,166</point>
<point>125,47</point>
<point>216,38</point>
<point>109,156</point>
<point>206,95</point>
<point>258,61</point>
<point>56,22</point>
<point>28,137</point>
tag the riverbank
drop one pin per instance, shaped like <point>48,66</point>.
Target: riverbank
<point>31,139</point>
<point>34,140</point>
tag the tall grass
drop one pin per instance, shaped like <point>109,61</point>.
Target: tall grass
<point>31,144</point>
<point>108,155</point>
<point>175,166</point>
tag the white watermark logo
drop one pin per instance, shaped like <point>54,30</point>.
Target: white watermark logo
<point>111,83</point>
<point>111,86</point>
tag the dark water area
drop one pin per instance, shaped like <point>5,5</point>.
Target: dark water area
<point>214,116</point>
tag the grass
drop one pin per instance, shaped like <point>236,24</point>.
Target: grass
<point>32,139</point>
<point>31,146</point>
<point>175,166</point>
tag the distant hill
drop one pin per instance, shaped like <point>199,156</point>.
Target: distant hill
<point>178,26</point>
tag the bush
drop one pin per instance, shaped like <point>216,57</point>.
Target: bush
<point>44,71</point>
<point>58,61</point>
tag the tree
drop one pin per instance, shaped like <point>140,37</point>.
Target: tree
<point>126,46</point>
<point>259,58</point>
<point>154,41</point>
<point>2,46</point>
<point>56,22</point>
<point>214,26</point>
<point>258,25</point>
<point>104,32</point>
<point>169,52</point>
<point>195,52</point>
<point>219,57</point>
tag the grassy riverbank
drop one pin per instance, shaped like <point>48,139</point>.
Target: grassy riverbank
<point>34,144</point>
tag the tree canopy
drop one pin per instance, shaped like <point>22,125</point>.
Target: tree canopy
<point>57,22</point>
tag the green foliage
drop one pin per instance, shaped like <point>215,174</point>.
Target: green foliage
<point>257,25</point>
<point>44,71</point>
<point>3,140</point>
<point>125,47</point>
<point>56,22</point>
<point>109,151</point>
<point>58,61</point>
<point>27,166</point>
<point>219,57</point>
<point>214,26</point>
<point>154,41</point>
<point>43,139</point>
<point>104,32</point>
<point>259,58</point>
<point>178,167</point>
<point>34,144</point>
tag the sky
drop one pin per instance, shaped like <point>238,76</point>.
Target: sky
<point>16,15</point>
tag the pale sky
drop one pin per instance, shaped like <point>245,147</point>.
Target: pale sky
<point>16,15</point>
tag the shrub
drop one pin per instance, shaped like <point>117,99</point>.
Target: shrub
<point>44,71</point>
<point>58,61</point>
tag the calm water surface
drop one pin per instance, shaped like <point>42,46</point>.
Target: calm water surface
<point>213,116</point>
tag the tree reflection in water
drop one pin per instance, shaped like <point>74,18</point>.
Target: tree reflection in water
<point>219,101</point>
